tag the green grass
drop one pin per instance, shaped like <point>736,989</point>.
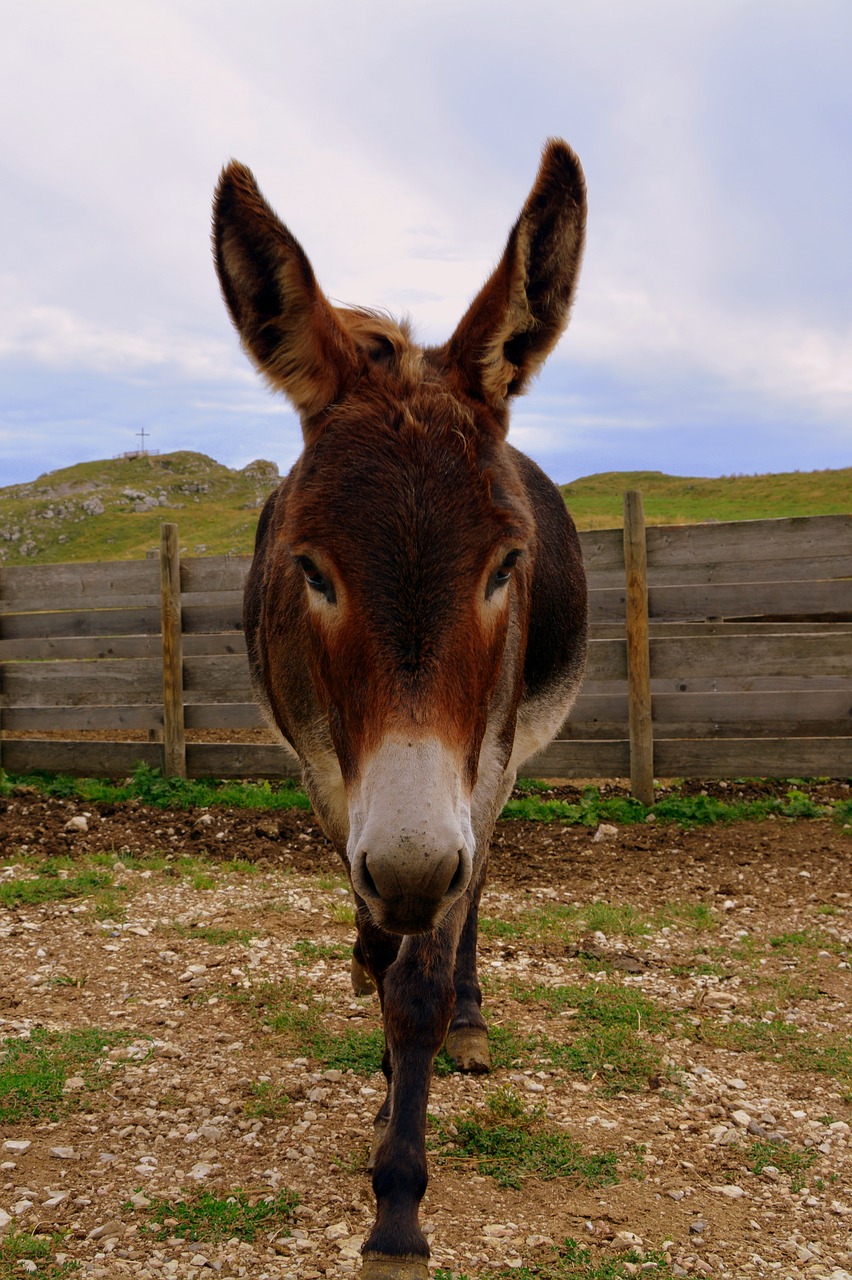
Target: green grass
<point>216,508</point>
<point>829,1053</point>
<point>596,501</point>
<point>37,1250</point>
<point>309,952</point>
<point>512,1142</point>
<point>34,1070</point>
<point>572,1261</point>
<point>267,1101</point>
<point>209,1217</point>
<point>529,802</point>
<point>289,1009</point>
<point>149,786</point>
<point>686,810</point>
<point>49,886</point>
<point>796,1164</point>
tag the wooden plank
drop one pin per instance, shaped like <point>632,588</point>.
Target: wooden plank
<point>751,600</point>
<point>50,719</point>
<point>603,550</point>
<point>102,584</point>
<point>607,660</point>
<point>240,760</point>
<point>79,647</point>
<point>805,569</point>
<point>74,684</point>
<point>580,760</point>
<point>780,655</point>
<point>75,622</point>
<point>754,758</point>
<point>607,606</point>
<point>199,618</point>
<point>217,679</point>
<point>759,630</point>
<point>750,541</point>
<point>224,715</point>
<point>641,729</point>
<point>214,573</point>
<point>788,712</point>
<point>174,741</point>
<point>83,759</point>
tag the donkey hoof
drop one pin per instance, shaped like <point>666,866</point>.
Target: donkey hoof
<point>385,1266</point>
<point>468,1048</point>
<point>362,983</point>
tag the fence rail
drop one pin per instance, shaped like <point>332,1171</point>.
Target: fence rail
<point>716,650</point>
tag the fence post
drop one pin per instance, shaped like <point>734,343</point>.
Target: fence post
<point>638,657</point>
<point>174,738</point>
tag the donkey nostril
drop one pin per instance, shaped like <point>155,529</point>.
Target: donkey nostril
<point>459,881</point>
<point>368,884</point>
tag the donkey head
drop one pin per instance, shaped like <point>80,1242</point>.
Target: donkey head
<point>405,554</point>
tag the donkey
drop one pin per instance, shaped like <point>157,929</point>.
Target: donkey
<point>415,617</point>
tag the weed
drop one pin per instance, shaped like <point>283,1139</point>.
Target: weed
<point>343,913</point>
<point>28,1253</point>
<point>267,1101</point>
<point>33,1071</point>
<point>353,1050</point>
<point>49,886</point>
<point>308,952</point>
<point>152,788</point>
<point>827,1053</point>
<point>514,1142</point>
<point>207,1217</point>
<point>794,1163</point>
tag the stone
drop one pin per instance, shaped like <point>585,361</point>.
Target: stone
<point>624,1241</point>
<point>77,825</point>
<point>17,1145</point>
<point>64,1153</point>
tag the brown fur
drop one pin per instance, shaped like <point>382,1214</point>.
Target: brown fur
<point>415,580</point>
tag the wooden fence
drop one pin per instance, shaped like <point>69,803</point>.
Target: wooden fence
<point>717,650</point>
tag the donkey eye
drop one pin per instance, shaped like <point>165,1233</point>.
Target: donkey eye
<point>316,581</point>
<point>501,576</point>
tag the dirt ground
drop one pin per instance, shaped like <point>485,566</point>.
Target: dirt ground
<point>174,955</point>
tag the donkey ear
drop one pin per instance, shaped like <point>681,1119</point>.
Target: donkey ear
<point>518,316</point>
<point>285,321</point>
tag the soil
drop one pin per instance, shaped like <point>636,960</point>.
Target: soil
<point>173,1111</point>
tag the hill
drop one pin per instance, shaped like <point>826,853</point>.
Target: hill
<point>112,510</point>
<point>596,501</point>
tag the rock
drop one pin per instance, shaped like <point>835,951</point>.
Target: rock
<point>624,1241</point>
<point>73,1084</point>
<point>337,1231</point>
<point>5,1220</point>
<point>200,1171</point>
<point>730,1192</point>
<point>17,1145</point>
<point>64,1153</point>
<point>605,831</point>
<point>107,1231</point>
<point>742,1118</point>
<point>698,1227</point>
<point>77,825</point>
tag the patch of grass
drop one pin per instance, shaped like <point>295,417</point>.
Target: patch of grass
<point>213,935</point>
<point>36,1250</point>
<point>152,788</point>
<point>828,1053</point>
<point>267,1101</point>
<point>209,1217</point>
<point>343,913</point>
<point>353,1050</point>
<point>513,1142</point>
<point>33,1071</point>
<point>572,1261</point>
<point>309,952</point>
<point>49,886</point>
<point>795,1164</point>
<point>685,810</point>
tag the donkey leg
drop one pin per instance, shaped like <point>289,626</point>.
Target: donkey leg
<point>362,981</point>
<point>373,953</point>
<point>467,1039</point>
<point>418,1000</point>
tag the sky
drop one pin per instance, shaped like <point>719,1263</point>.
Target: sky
<point>398,139</point>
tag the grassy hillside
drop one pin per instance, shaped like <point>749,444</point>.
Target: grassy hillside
<point>112,510</point>
<point>596,501</point>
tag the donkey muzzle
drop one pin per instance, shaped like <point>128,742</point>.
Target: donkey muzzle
<point>410,841</point>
